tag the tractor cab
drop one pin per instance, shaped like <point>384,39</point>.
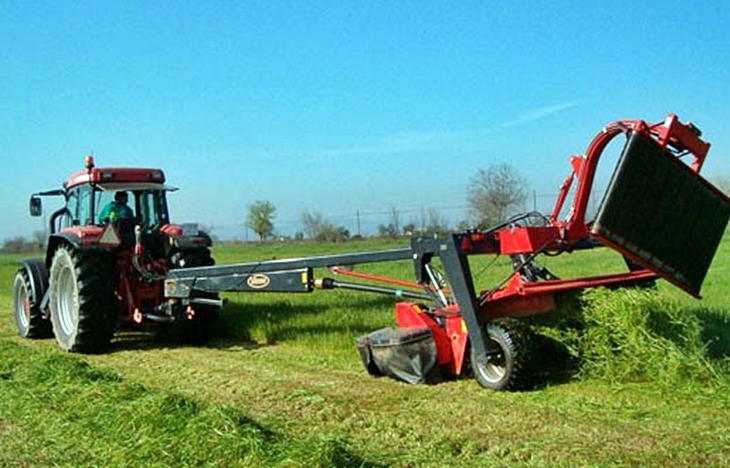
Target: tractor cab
<point>93,218</point>
<point>90,194</point>
<point>126,206</point>
<point>96,197</point>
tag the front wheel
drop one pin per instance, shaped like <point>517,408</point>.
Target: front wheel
<point>29,318</point>
<point>508,355</point>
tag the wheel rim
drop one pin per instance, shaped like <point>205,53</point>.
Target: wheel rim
<point>22,303</point>
<point>67,301</point>
<point>496,367</point>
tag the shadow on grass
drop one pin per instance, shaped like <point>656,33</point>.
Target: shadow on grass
<point>552,363</point>
<point>715,332</point>
<point>714,329</point>
<point>276,320</point>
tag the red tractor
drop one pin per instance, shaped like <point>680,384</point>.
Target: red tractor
<point>103,265</point>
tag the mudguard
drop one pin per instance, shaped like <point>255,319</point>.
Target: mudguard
<point>38,275</point>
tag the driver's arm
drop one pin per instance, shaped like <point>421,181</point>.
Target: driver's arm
<point>104,215</point>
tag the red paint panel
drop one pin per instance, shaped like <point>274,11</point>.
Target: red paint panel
<point>529,239</point>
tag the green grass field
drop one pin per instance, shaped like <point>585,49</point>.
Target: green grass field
<point>282,385</point>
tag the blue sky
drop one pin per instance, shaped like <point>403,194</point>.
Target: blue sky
<point>342,107</point>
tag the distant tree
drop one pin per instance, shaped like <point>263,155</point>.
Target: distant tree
<point>436,223</point>
<point>395,219</point>
<point>387,230</point>
<point>328,232</point>
<point>40,238</point>
<point>464,225</point>
<point>494,194</point>
<point>260,218</point>
<point>429,222</point>
<point>318,228</point>
<point>409,229</point>
<point>17,245</point>
<point>422,222</point>
<point>312,223</point>
<point>393,227</point>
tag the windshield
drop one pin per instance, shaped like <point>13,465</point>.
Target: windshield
<point>148,207</point>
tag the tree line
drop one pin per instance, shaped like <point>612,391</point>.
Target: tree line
<point>493,195</point>
<point>20,244</point>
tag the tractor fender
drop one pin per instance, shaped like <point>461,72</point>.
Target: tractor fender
<point>194,238</point>
<point>57,240</point>
<point>71,239</point>
<point>38,275</point>
<point>190,243</point>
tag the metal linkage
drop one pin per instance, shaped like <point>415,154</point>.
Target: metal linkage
<point>287,275</point>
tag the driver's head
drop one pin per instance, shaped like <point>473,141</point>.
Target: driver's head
<point>121,197</point>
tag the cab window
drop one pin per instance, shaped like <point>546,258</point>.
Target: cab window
<point>72,204</point>
<point>151,208</point>
<point>84,216</point>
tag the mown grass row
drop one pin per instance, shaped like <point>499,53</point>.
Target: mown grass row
<point>636,335</point>
<point>56,410</point>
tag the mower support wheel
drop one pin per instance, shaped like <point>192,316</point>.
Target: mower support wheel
<point>508,356</point>
<point>82,303</point>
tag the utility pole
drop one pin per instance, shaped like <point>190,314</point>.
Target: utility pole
<point>358,222</point>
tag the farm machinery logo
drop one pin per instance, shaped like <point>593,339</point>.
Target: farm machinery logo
<point>258,281</point>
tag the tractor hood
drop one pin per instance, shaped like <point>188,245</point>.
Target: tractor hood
<point>186,236</point>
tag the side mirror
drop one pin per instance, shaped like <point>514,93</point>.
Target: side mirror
<point>36,206</point>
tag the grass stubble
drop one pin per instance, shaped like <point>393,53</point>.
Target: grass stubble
<point>640,377</point>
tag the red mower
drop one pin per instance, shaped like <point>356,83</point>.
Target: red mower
<point>658,213</point>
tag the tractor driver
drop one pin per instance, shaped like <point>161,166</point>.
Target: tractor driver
<point>117,209</point>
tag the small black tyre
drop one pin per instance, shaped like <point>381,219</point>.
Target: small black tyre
<point>509,353</point>
<point>196,326</point>
<point>81,300</point>
<point>29,318</point>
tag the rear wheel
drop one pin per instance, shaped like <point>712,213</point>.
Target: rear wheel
<point>26,306</point>
<point>508,355</point>
<point>81,299</point>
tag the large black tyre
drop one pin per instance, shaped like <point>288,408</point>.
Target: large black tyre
<point>81,300</point>
<point>29,317</point>
<point>509,351</point>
